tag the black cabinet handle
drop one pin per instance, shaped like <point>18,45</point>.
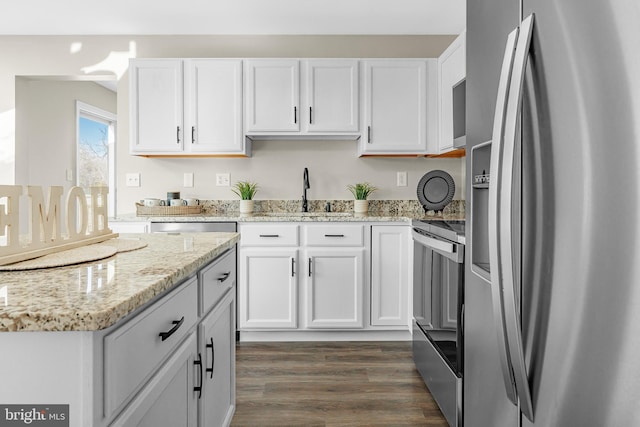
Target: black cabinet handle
<point>309,266</point>
<point>368,134</point>
<point>334,235</point>
<point>178,135</point>
<point>310,115</point>
<point>199,364</point>
<point>293,268</point>
<point>213,357</point>
<point>224,277</point>
<point>295,115</point>
<point>269,235</point>
<point>193,134</point>
<point>176,324</point>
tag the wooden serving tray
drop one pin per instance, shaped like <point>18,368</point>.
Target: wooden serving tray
<point>142,210</point>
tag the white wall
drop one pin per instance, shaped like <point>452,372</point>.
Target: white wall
<point>46,127</point>
<point>276,165</point>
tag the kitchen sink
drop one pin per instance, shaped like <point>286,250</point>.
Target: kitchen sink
<point>305,214</point>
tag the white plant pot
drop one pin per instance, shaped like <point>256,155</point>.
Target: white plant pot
<point>246,206</point>
<point>360,206</point>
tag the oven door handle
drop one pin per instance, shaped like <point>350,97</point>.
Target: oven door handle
<point>433,243</point>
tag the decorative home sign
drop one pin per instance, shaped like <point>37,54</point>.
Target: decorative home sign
<point>85,221</point>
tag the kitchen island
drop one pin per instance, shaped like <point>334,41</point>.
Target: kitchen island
<point>116,337</point>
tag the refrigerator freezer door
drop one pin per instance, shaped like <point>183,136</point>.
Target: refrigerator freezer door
<point>581,213</point>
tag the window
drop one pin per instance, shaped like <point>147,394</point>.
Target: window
<point>96,130</point>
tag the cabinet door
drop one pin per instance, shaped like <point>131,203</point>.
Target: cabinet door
<point>395,102</point>
<point>332,90</point>
<point>169,398</point>
<point>268,288</point>
<point>390,266</point>
<point>213,102</point>
<point>217,346</point>
<point>451,72</point>
<point>334,288</point>
<point>273,93</point>
<point>155,95</point>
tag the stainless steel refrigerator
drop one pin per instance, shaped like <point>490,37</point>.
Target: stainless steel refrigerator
<point>552,291</point>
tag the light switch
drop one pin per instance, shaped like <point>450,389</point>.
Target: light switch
<point>401,179</point>
<point>188,179</point>
<point>69,175</point>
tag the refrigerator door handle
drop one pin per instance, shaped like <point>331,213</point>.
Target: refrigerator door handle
<point>494,228</point>
<point>506,215</point>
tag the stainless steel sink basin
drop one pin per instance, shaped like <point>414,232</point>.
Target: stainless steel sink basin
<point>305,214</point>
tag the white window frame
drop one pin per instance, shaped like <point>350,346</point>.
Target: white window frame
<point>97,114</point>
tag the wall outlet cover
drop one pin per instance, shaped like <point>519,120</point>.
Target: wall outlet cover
<point>223,179</point>
<point>132,180</point>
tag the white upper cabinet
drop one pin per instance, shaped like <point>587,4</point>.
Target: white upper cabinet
<point>215,106</point>
<point>397,106</point>
<point>287,97</point>
<point>272,95</point>
<point>451,77</point>
<point>186,107</point>
<point>332,91</point>
<point>155,91</point>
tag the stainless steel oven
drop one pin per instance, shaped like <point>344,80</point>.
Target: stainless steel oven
<point>438,308</point>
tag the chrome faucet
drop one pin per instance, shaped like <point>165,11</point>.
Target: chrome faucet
<point>305,186</point>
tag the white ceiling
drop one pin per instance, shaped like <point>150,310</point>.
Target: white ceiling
<point>75,17</point>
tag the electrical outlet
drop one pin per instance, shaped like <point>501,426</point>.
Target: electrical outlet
<point>69,175</point>
<point>133,180</point>
<point>222,179</point>
<point>401,179</point>
<point>188,179</point>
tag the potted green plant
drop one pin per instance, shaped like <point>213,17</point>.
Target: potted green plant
<point>361,191</point>
<point>246,190</point>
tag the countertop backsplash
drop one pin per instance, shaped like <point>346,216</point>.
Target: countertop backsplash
<point>382,207</point>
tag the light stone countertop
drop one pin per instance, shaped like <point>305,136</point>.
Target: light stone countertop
<point>287,217</point>
<point>96,295</point>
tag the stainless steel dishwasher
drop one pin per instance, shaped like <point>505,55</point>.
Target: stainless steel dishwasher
<point>192,227</point>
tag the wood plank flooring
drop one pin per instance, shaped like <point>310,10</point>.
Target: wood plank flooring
<point>331,384</point>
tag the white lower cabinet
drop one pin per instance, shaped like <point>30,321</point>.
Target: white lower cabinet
<point>268,288</point>
<point>334,288</point>
<point>169,398</point>
<point>390,267</point>
<point>216,338</point>
<point>300,277</point>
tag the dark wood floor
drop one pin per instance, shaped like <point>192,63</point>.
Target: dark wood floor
<point>331,384</point>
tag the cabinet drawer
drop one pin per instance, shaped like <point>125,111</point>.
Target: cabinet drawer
<point>215,279</point>
<point>269,235</point>
<point>133,352</point>
<point>334,235</point>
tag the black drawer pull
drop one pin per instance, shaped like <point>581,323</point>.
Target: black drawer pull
<point>193,136</point>
<point>310,267</point>
<point>269,235</point>
<point>224,277</point>
<point>176,324</point>
<point>199,364</point>
<point>334,235</point>
<point>178,135</point>
<point>293,267</point>
<point>213,357</point>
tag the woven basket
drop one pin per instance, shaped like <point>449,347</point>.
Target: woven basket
<point>142,210</point>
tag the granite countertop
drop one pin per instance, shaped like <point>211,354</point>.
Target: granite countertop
<point>96,295</point>
<point>289,217</point>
